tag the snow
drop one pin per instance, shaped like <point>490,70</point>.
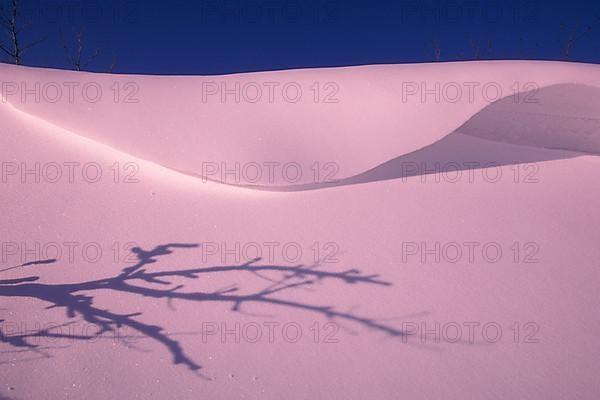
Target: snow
<point>536,201</point>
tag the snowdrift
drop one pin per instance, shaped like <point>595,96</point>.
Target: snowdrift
<point>345,120</point>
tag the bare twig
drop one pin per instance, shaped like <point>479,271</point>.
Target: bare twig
<point>566,45</point>
<point>75,61</point>
<point>437,51</point>
<point>11,25</point>
<point>113,64</point>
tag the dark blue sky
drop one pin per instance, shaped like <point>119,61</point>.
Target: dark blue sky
<point>212,37</point>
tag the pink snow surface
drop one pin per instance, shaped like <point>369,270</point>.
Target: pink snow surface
<point>422,281</point>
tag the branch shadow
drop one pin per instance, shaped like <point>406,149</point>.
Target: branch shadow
<point>30,263</point>
<point>78,298</point>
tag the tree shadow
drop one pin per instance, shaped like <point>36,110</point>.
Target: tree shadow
<point>30,263</point>
<point>78,298</point>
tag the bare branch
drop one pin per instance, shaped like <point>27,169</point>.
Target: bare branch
<point>12,26</point>
<point>33,44</point>
<point>6,51</point>
<point>75,61</point>
<point>65,47</point>
<point>112,66</point>
<point>92,57</point>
